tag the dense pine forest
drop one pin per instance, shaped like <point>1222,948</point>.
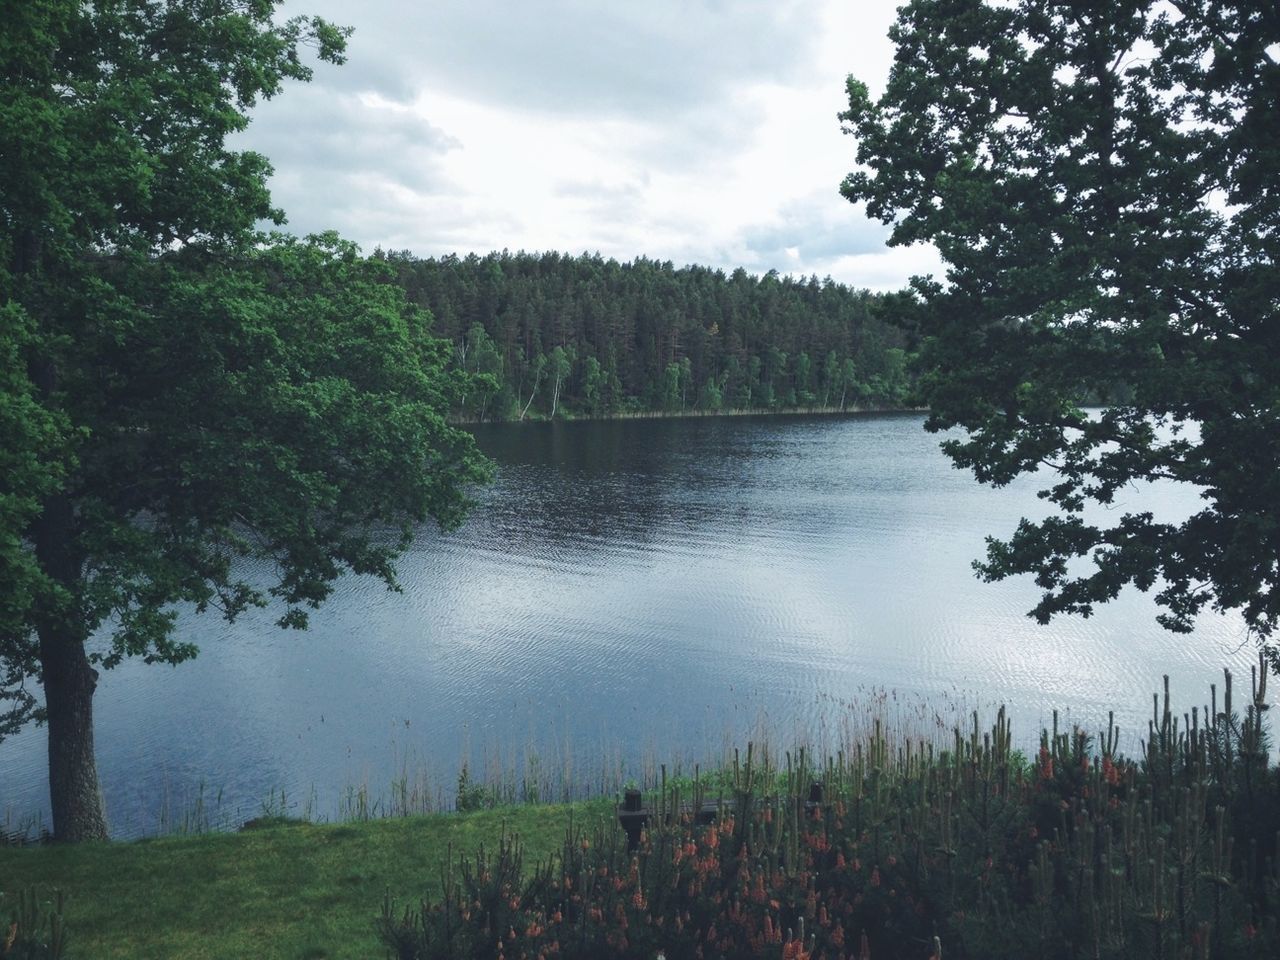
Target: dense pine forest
<point>554,335</point>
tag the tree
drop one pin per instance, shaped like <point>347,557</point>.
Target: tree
<point>830,376</point>
<point>180,392</point>
<point>804,368</point>
<point>669,389</point>
<point>1101,182</point>
<point>594,383</point>
<point>561,364</point>
<point>686,380</point>
<point>711,397</point>
<point>848,380</point>
<point>538,367</point>
<point>635,318</point>
<point>480,357</point>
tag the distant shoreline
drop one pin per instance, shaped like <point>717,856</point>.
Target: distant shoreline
<point>693,414</point>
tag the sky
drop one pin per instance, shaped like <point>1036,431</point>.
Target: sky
<point>695,131</point>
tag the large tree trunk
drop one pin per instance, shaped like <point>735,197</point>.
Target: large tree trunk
<point>66,675</point>
<point>69,682</point>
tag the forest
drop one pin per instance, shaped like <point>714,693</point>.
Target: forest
<point>553,335</point>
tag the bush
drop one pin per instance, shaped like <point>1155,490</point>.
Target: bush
<point>35,930</point>
<point>1079,853</point>
<point>473,795</point>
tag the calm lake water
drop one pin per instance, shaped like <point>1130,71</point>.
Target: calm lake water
<point>629,593</point>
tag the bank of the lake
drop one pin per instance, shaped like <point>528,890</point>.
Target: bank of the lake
<point>891,848</point>
<point>692,413</point>
<point>294,890</point>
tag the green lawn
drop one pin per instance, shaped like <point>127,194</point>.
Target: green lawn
<point>292,891</point>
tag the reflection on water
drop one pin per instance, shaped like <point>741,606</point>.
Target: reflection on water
<point>639,588</point>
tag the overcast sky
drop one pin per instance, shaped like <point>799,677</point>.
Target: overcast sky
<point>697,131</point>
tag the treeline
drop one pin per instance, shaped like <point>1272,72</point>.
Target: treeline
<point>555,335</point>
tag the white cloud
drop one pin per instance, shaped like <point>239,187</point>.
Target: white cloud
<point>692,131</point>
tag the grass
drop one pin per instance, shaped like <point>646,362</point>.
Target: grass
<point>289,888</point>
<point>292,889</point>
<point>283,890</point>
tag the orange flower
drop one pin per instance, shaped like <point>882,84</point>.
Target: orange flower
<point>1046,764</point>
<point>758,894</point>
<point>1110,772</point>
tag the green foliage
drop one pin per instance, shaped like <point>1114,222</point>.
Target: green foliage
<point>912,850</point>
<point>711,397</point>
<point>35,930</point>
<point>594,388</point>
<point>289,408</point>
<point>181,393</point>
<point>478,357</point>
<point>560,365</point>
<point>669,391</point>
<point>473,795</point>
<point>292,405</point>
<point>647,336</point>
<point>33,462</point>
<point>1101,186</point>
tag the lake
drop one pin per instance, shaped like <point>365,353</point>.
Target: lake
<point>630,593</point>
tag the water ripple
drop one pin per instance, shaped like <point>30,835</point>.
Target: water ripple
<point>632,591</point>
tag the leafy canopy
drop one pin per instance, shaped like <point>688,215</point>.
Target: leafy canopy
<point>1103,182</point>
<point>191,412</point>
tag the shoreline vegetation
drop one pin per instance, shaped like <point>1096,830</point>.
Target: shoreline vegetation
<point>563,416</point>
<point>541,333</point>
<point>1073,850</point>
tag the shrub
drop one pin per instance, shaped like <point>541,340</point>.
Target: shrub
<point>1079,853</point>
<point>35,930</point>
